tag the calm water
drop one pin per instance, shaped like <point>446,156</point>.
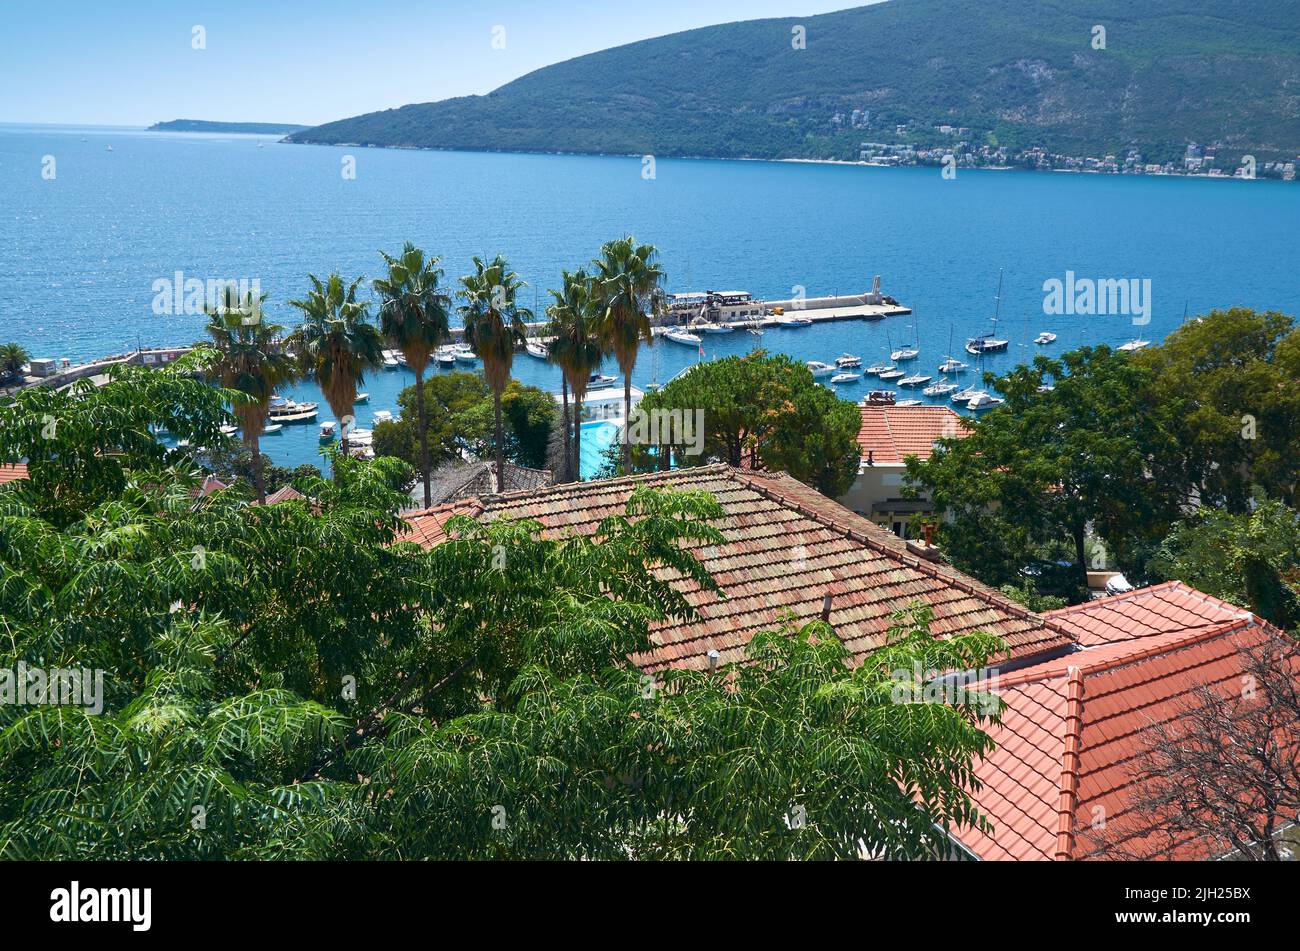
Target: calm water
<point>79,253</point>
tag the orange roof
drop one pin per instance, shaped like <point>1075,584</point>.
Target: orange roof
<point>282,494</point>
<point>891,433</point>
<point>1071,731</point>
<point>786,547</point>
<point>14,472</point>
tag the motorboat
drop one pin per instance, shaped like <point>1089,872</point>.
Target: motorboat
<point>919,379</point>
<point>383,416</point>
<point>362,398</point>
<point>464,353</point>
<point>983,401</point>
<point>291,412</point>
<point>904,353</point>
<point>270,429</point>
<point>1045,337</point>
<point>1133,346</point>
<point>445,356</point>
<point>879,368</point>
<point>963,395</point>
<point>390,360</point>
<point>846,377</point>
<point>953,365</point>
<point>941,388</point>
<point>908,403</point>
<point>684,337</point>
<point>892,374</point>
<point>536,349</point>
<point>600,381</point>
<point>328,430</point>
<point>820,369</point>
<point>881,398</point>
<point>848,361</point>
<point>713,328</point>
<point>785,320</point>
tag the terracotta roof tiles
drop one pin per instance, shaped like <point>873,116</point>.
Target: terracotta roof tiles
<point>891,433</point>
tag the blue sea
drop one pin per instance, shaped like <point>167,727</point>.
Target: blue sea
<point>82,248</point>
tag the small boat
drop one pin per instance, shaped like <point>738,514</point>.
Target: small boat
<point>785,320</point>
<point>879,368</point>
<point>846,377</point>
<point>327,431</point>
<point>881,398</point>
<point>465,353</point>
<point>985,343</point>
<point>905,353</point>
<point>908,403</point>
<point>892,374</point>
<point>445,356</point>
<point>682,336</point>
<point>942,388</point>
<point>1045,337</point>
<point>390,360</point>
<point>983,401</point>
<point>360,437</point>
<point>600,381</point>
<point>713,328</point>
<point>401,358</point>
<point>962,396</point>
<point>953,365</point>
<point>1133,346</point>
<point>848,361</point>
<point>229,430</point>
<point>820,369</point>
<point>383,416</point>
<point>110,148</point>
<point>362,398</point>
<point>536,349</point>
<point>290,412</point>
<point>1046,388</point>
<point>919,379</point>
<point>270,429</point>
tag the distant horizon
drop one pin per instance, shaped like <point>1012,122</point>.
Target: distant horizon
<point>134,67</point>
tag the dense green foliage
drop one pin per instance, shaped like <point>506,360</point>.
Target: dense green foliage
<point>291,681</point>
<point>765,412</point>
<point>204,125</point>
<point>1017,74</point>
<point>459,412</point>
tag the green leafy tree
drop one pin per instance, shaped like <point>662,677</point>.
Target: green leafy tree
<point>1228,381</point>
<point>576,350</point>
<point>1035,473</point>
<point>629,281</point>
<point>454,421</point>
<point>249,361</point>
<point>296,681</point>
<point>336,343</point>
<point>1248,559</point>
<point>413,316</point>
<point>768,413</point>
<point>12,358</point>
<point>494,327</point>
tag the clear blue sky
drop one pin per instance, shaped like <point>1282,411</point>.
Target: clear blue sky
<point>131,62</point>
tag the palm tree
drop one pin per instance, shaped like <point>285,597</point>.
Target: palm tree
<point>628,276</point>
<point>12,357</point>
<point>576,350</point>
<point>336,343</point>
<point>251,361</point>
<point>413,316</point>
<point>494,326</point>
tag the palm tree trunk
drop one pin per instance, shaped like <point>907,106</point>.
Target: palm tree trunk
<point>577,438</point>
<point>627,421</point>
<point>500,442</point>
<point>259,477</point>
<point>568,456</point>
<point>424,435</point>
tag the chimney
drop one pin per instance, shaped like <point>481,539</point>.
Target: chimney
<point>826,607</point>
<point>926,549</point>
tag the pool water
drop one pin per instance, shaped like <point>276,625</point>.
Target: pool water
<point>596,438</point>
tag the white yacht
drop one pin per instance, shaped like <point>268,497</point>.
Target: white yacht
<point>684,337</point>
<point>846,377</point>
<point>848,361</point>
<point>904,354</point>
<point>953,365</point>
<point>918,379</point>
<point>982,401</point>
<point>941,388</point>
<point>820,369</point>
<point>878,368</point>
<point>536,349</point>
<point>1133,346</point>
<point>892,374</point>
<point>1045,338</point>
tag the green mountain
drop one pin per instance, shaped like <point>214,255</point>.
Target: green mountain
<point>202,125</point>
<point>1017,73</point>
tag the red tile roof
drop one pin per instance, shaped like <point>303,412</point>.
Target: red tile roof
<point>14,472</point>
<point>890,433</point>
<point>1072,727</point>
<point>282,494</point>
<point>786,547</point>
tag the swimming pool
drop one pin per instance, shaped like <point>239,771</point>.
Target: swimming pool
<point>596,438</point>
